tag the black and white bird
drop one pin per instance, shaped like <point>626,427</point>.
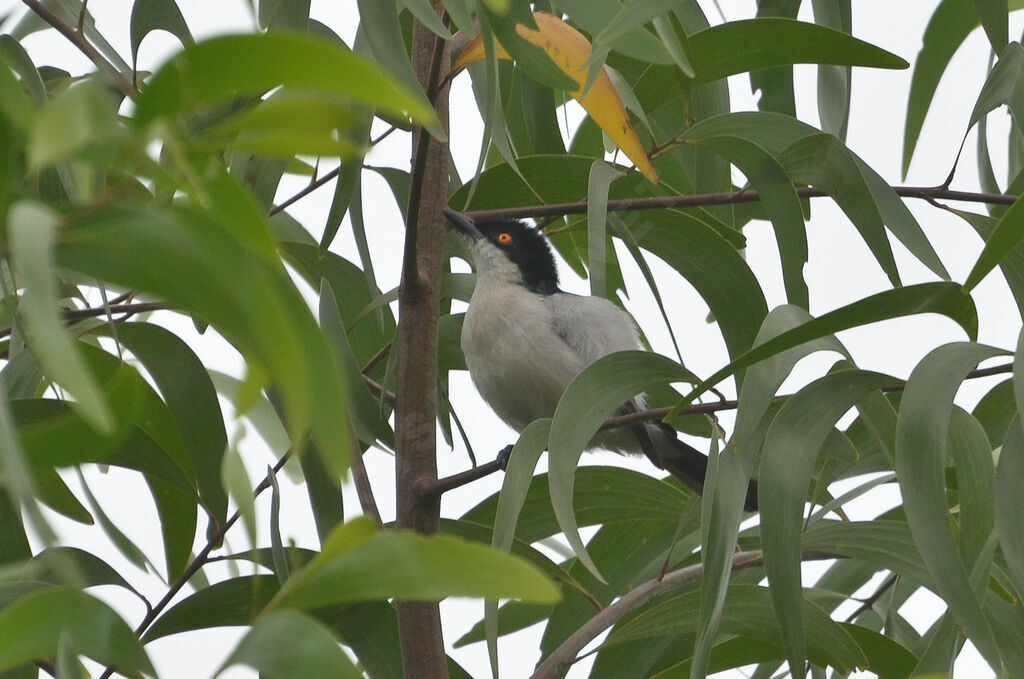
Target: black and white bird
<point>524,340</point>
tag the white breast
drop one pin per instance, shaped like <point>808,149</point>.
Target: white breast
<point>516,359</point>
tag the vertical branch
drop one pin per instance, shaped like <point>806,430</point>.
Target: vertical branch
<point>419,623</point>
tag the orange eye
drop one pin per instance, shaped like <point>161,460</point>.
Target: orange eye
<point>504,238</point>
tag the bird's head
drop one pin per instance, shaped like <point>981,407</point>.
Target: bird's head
<point>509,250</point>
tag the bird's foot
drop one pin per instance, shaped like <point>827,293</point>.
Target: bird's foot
<point>503,456</point>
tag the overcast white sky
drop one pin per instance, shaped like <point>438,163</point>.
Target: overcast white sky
<point>840,271</point>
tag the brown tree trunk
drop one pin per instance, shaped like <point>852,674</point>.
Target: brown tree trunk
<point>419,623</point>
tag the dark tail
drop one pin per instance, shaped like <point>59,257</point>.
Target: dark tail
<point>683,461</point>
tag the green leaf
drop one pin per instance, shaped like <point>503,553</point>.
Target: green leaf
<point>290,123</point>
<point>951,23</point>
<point>360,564</point>
<point>72,566</point>
<point>33,229</point>
<point>1008,233</point>
<point>780,201</point>
<point>32,626</point>
<point>591,397</point>
<point>365,410</point>
<point>188,391</point>
<point>728,474</point>
<point>226,67</point>
<point>122,542</point>
<point>747,613</point>
<point>834,81</point>
<point>796,436</point>
<point>1003,87</point>
<point>67,665</point>
<point>825,163</point>
<point>231,285</point>
<point>230,603</point>
<point>754,44</point>
<point>947,299</point>
<point>1010,504</point>
<point>514,488</point>
<point>284,14</point>
<point>601,176</point>
<point>14,102</point>
<point>287,643</point>
<point>921,440</point>
<point>996,411</point>
<point>154,15</point>
<point>721,277</point>
<point>992,14</point>
<point>81,117</point>
<point>426,15</point>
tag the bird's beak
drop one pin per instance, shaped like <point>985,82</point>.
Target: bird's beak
<point>464,224</point>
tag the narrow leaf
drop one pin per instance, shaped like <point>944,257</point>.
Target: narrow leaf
<point>787,461</point>
<point>225,67</point>
<point>33,229</point>
<point>33,626</point>
<point>286,644</point>
<point>921,441</point>
<point>360,564</point>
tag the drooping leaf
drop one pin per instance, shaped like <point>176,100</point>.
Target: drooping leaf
<point>794,440</point>
<point>921,439</point>
<point>191,398</point>
<point>152,15</point>
<point>83,117</point>
<point>359,564</point>
<point>33,625</point>
<point>753,44</point>
<point>33,230</point>
<point>950,24</point>
<point>1008,504</point>
<point>943,298</point>
<point>251,302</point>
<point>286,643</point>
<point>592,397</point>
<point>226,67</point>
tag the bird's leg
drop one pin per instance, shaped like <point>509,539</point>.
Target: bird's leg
<point>441,486</point>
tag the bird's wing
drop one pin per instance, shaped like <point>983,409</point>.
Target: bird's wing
<point>592,327</point>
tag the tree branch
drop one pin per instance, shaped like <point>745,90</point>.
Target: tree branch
<point>78,39</point>
<point>441,486</point>
<point>565,655</point>
<point>419,301</point>
<point>725,198</point>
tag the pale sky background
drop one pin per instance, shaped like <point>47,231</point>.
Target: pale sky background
<point>840,270</point>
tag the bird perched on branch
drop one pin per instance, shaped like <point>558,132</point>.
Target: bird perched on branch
<point>525,339</point>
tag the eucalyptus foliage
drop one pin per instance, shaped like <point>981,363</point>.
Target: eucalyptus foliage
<point>131,201</point>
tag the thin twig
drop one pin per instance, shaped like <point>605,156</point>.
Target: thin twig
<point>564,656</point>
<point>77,38</point>
<point>462,478</point>
<point>706,408</point>
<point>869,603</point>
<point>129,310</point>
<point>310,188</point>
<point>725,198</point>
<point>364,491</point>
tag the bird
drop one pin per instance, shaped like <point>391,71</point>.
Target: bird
<point>525,339</point>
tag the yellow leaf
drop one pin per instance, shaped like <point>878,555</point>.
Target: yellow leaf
<point>570,50</point>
